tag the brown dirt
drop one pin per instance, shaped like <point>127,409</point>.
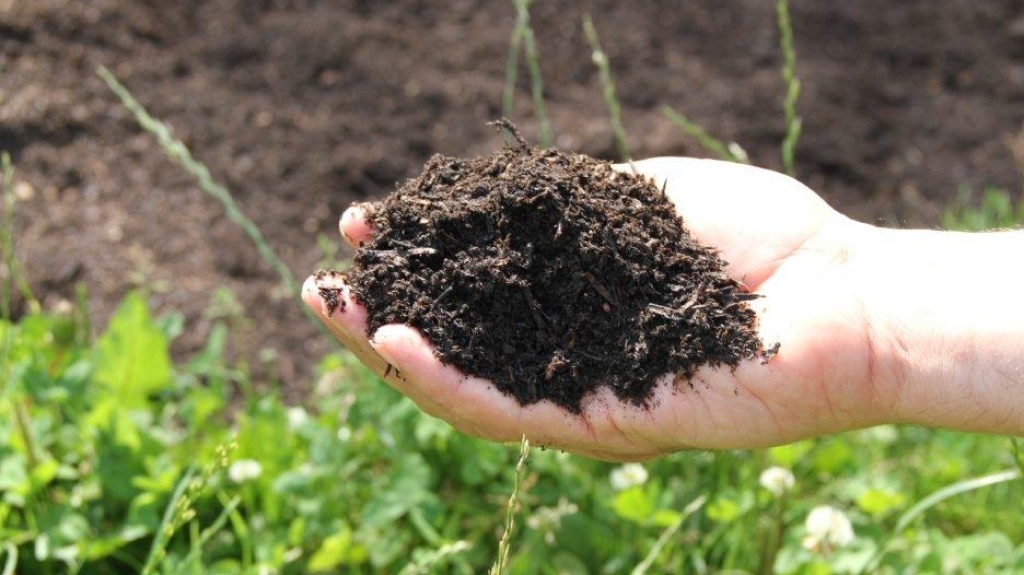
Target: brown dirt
<point>300,107</point>
<point>551,275</point>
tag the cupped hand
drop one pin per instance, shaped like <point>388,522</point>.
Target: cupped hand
<point>779,238</point>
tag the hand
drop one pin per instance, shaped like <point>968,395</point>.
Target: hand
<point>779,238</point>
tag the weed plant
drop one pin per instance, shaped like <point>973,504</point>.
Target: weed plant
<point>115,459</point>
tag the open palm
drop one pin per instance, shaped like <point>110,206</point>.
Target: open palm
<point>778,237</point>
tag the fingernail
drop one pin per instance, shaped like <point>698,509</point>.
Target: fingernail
<point>381,340</point>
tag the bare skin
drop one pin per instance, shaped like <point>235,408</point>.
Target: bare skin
<point>860,345</point>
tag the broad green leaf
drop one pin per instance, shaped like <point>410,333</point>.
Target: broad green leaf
<point>833,456</point>
<point>337,549</point>
<point>665,517</point>
<point>723,510</point>
<point>787,455</point>
<point>133,359</point>
<point>43,473</point>
<point>880,502</point>
<point>635,504</point>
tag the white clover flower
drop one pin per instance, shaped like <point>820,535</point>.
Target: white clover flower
<point>777,480</point>
<point>827,528</point>
<point>344,433</point>
<point>549,519</point>
<point>628,475</point>
<point>296,416</point>
<point>245,470</point>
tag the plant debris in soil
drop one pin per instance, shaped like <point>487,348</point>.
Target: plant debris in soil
<point>551,275</point>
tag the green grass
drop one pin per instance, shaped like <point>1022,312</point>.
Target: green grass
<point>122,461</point>
<point>995,209</point>
<point>523,41</point>
<point>608,88</point>
<point>114,459</point>
<point>792,83</point>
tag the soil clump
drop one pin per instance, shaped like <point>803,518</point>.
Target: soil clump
<point>551,275</point>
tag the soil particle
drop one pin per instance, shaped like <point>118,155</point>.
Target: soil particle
<point>331,295</point>
<point>551,275</point>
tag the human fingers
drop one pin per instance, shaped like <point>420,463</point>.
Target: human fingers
<point>355,226</point>
<point>346,319</point>
<point>474,406</point>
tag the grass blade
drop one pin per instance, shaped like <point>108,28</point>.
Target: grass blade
<point>608,85</point>
<point>208,533</point>
<point>13,278</point>
<point>950,491</point>
<point>180,154</point>
<point>510,514</point>
<point>730,152</point>
<point>173,514</point>
<point>793,122</point>
<point>12,558</point>
<point>652,555</point>
<point>525,32</point>
<point>934,499</point>
<point>508,94</point>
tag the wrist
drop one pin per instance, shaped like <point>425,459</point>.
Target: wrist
<point>945,336</point>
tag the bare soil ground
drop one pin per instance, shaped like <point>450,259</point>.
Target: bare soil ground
<point>301,107</point>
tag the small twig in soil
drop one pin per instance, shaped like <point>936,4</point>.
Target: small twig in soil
<point>600,289</point>
<point>508,126</point>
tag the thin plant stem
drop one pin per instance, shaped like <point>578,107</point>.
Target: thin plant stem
<point>180,510</point>
<point>501,563</point>
<point>7,238</point>
<point>608,87</point>
<point>515,45</point>
<point>204,536</point>
<point>671,530</point>
<point>533,66</point>
<point>793,122</point>
<point>14,278</point>
<point>731,152</point>
<point>934,499</point>
<point>773,541</point>
<point>12,558</point>
<point>242,534</point>
<point>169,523</point>
<point>180,154</point>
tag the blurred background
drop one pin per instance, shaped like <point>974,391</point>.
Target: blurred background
<point>300,107</point>
<point>165,407</point>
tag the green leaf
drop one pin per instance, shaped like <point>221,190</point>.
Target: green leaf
<point>833,456</point>
<point>787,455</point>
<point>43,473</point>
<point>665,517</point>
<point>724,510</point>
<point>407,487</point>
<point>133,359</point>
<point>337,549</point>
<point>880,502</point>
<point>99,547</point>
<point>635,504</point>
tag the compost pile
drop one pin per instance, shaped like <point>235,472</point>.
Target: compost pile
<point>551,275</point>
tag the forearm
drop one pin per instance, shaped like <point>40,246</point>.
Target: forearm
<point>946,325</point>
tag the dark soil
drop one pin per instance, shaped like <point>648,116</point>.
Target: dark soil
<point>301,107</point>
<point>551,275</point>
